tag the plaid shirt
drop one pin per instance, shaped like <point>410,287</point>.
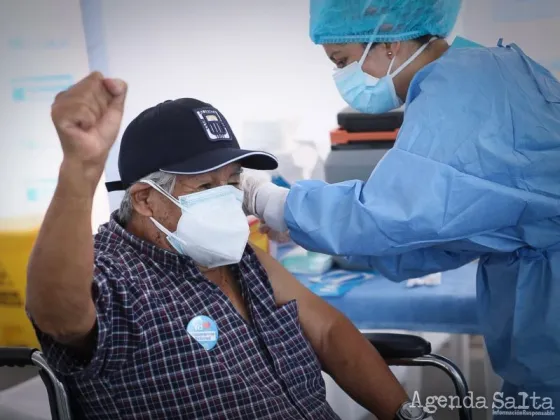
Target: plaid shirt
<point>147,366</point>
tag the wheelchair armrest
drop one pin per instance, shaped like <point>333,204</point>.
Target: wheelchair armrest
<point>399,346</point>
<point>16,356</point>
<point>23,356</point>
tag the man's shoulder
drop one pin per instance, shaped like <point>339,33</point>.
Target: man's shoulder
<point>250,262</point>
<point>253,266</point>
<point>113,257</point>
<point>106,239</point>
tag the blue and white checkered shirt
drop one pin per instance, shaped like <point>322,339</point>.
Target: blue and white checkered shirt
<point>147,366</point>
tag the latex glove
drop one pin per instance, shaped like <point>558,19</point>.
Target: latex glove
<point>430,280</point>
<point>264,200</point>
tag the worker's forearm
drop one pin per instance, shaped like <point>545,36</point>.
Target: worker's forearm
<point>416,263</point>
<point>60,269</point>
<point>360,371</point>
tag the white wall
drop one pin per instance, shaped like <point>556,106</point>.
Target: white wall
<point>252,59</point>
<point>42,51</point>
<point>534,25</point>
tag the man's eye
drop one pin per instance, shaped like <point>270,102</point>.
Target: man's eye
<point>341,64</point>
<point>205,187</point>
<point>235,184</point>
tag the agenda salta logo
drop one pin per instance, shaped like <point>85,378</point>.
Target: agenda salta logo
<point>524,404</point>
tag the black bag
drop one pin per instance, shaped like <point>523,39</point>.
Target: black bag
<point>357,122</point>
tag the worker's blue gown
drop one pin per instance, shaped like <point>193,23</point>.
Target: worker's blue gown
<point>475,173</point>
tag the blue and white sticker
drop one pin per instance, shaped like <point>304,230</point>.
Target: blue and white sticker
<point>204,330</point>
<point>214,124</point>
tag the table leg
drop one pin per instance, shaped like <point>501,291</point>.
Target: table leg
<point>460,351</point>
<point>492,382</point>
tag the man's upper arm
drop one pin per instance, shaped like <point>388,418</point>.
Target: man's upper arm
<point>315,315</point>
<point>90,356</point>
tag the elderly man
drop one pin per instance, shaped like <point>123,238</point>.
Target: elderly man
<point>167,313</point>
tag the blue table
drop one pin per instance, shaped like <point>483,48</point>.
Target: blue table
<point>383,304</point>
<point>380,304</point>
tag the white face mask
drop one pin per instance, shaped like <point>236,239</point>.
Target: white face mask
<point>213,229</point>
<point>369,94</point>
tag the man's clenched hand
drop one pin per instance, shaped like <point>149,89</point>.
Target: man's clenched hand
<point>87,118</point>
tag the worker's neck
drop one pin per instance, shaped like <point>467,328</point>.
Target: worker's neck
<point>433,52</point>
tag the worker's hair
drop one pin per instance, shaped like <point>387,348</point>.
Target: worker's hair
<point>164,180</point>
<point>424,39</point>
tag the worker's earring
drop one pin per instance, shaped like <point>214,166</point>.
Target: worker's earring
<point>390,54</point>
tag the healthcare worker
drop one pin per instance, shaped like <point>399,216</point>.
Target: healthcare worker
<point>474,174</point>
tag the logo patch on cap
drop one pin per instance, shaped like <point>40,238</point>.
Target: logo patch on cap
<point>215,126</point>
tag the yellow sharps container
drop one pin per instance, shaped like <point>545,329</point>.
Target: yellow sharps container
<point>257,238</point>
<point>16,240</point>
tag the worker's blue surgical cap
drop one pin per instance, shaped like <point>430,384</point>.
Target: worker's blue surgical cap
<point>349,21</point>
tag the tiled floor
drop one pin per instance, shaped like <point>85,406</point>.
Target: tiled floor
<point>12,376</point>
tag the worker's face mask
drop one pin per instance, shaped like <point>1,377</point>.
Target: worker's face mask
<point>213,229</point>
<point>369,94</point>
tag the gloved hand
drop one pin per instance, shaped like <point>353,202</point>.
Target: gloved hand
<point>264,200</point>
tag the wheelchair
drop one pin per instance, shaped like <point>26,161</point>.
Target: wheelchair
<point>396,349</point>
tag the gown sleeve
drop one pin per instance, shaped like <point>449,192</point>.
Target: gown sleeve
<point>448,178</point>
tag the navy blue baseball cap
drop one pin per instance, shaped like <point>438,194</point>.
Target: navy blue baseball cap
<point>183,137</point>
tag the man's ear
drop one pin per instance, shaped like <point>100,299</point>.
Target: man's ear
<point>140,195</point>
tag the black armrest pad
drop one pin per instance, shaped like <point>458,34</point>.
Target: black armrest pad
<point>16,356</point>
<point>399,346</point>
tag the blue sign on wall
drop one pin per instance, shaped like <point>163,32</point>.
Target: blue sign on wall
<point>40,190</point>
<point>21,43</point>
<point>39,88</point>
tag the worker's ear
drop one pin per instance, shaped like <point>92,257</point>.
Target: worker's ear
<point>141,196</point>
<point>392,49</point>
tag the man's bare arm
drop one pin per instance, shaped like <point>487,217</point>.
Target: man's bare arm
<point>60,271</point>
<point>344,353</point>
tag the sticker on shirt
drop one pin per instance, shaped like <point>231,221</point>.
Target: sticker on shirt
<point>204,330</point>
<point>215,126</point>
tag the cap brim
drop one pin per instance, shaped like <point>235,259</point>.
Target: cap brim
<point>216,159</point>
